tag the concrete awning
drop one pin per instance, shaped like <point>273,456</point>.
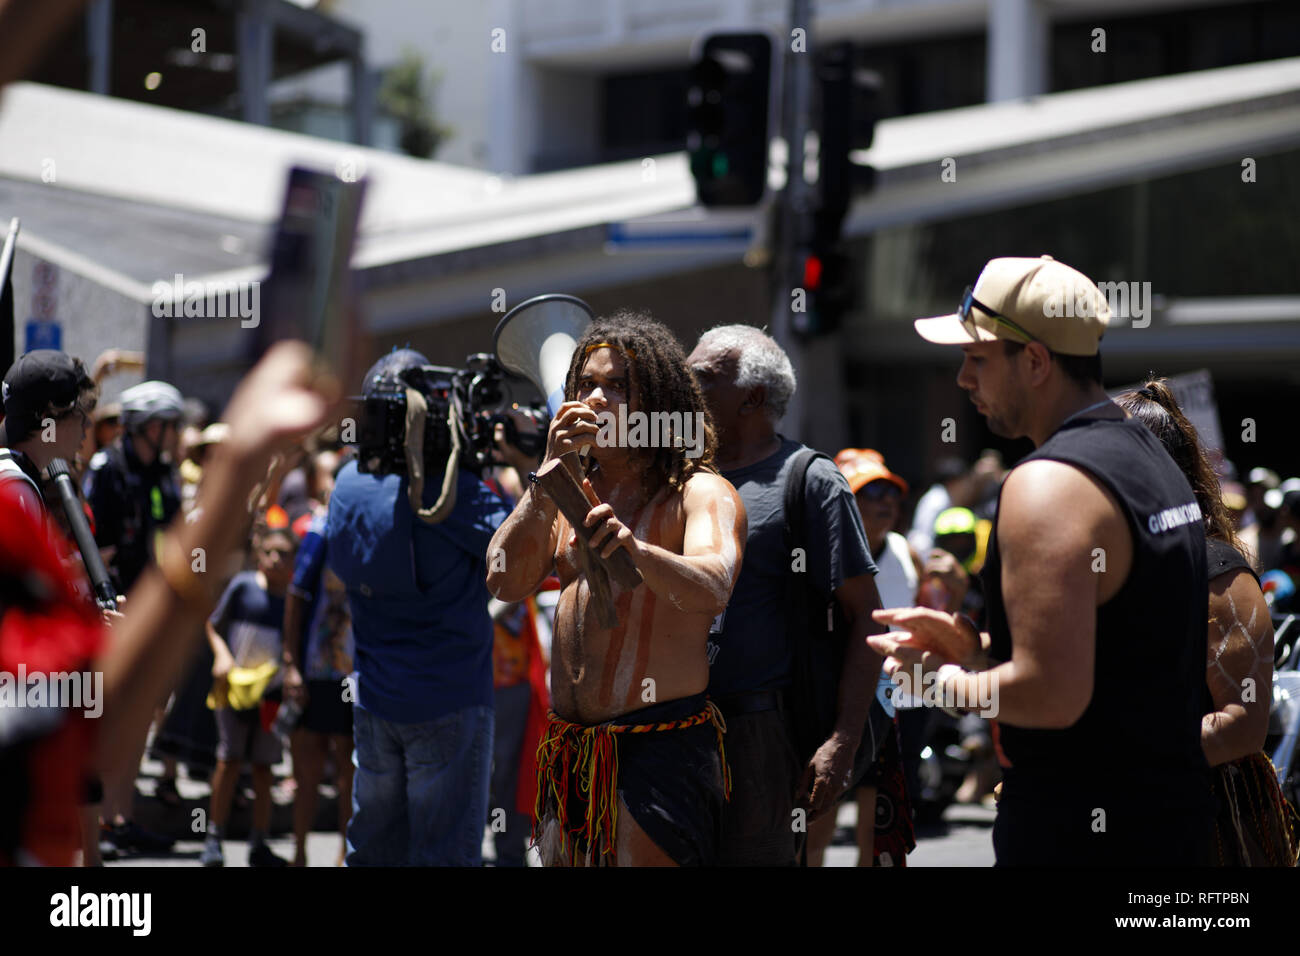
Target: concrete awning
<point>1013,153</point>
<point>128,178</point>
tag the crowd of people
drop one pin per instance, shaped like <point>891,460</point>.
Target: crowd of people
<point>761,669</point>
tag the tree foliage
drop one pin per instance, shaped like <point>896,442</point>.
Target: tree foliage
<point>407,94</point>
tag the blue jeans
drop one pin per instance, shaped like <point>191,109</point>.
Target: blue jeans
<point>511,843</point>
<point>420,791</point>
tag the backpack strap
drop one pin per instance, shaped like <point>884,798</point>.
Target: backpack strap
<point>10,467</point>
<point>799,596</point>
<point>796,535</point>
<point>796,528</point>
<point>796,483</point>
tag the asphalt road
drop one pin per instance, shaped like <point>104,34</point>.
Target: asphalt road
<point>964,838</point>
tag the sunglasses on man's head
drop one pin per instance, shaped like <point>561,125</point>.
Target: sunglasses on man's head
<point>968,302</point>
<point>86,406</point>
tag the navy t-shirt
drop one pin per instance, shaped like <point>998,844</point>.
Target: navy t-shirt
<point>752,650</point>
<point>418,593</point>
<point>250,620</point>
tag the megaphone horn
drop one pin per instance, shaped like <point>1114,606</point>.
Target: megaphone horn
<point>536,340</point>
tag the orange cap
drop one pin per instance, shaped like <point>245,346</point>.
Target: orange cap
<point>861,466</point>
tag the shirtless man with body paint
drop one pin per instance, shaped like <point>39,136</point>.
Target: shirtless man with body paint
<point>685,528</point>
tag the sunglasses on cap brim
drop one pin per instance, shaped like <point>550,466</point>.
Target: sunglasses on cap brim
<point>969,302</point>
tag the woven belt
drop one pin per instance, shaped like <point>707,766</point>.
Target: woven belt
<point>590,752</point>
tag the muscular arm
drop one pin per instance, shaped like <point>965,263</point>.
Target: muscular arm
<point>1051,519</point>
<point>522,552</point>
<point>1240,646</point>
<point>700,579</point>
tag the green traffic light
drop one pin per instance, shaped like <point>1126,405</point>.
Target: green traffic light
<point>720,165</point>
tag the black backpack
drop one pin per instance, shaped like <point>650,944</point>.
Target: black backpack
<point>819,639</point>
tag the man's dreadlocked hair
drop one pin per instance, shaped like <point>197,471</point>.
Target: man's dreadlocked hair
<point>657,370</point>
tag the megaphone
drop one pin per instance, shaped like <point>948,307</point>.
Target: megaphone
<point>536,340</point>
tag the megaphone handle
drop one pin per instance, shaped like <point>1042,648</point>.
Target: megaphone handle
<point>558,481</point>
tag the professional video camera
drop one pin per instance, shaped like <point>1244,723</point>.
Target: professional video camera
<point>463,406</point>
<point>445,418</point>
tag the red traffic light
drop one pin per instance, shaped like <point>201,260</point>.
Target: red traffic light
<point>812,273</point>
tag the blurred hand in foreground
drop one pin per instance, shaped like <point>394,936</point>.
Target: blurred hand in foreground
<point>285,396</point>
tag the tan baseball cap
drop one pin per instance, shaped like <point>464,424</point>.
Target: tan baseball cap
<point>1021,300</point>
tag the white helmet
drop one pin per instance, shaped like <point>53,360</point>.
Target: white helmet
<point>147,401</point>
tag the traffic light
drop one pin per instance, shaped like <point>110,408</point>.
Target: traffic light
<point>726,122</point>
<point>830,284</point>
<point>849,108</point>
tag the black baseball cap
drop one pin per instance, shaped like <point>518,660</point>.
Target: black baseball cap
<point>386,373</point>
<point>38,380</point>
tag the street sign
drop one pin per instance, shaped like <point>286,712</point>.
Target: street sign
<point>42,334</point>
<point>699,229</point>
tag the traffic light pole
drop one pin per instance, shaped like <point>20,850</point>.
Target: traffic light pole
<point>795,204</point>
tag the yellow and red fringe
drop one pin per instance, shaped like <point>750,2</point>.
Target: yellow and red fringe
<point>590,752</point>
<point>1257,802</point>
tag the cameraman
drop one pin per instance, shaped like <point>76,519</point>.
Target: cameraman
<point>423,717</point>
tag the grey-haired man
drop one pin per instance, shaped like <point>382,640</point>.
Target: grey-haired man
<point>747,381</point>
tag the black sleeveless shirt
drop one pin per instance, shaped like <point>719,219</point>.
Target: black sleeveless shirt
<point>1140,736</point>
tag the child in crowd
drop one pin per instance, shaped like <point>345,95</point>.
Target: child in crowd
<point>245,634</point>
<point>318,653</point>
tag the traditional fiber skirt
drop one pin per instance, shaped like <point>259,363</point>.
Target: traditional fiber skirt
<point>666,762</point>
<point>1256,825</point>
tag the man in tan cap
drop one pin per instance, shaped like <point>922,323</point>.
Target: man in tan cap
<point>1095,588</point>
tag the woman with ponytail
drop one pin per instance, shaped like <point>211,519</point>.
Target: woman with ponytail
<point>1256,826</point>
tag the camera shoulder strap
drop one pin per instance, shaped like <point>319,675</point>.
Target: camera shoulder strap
<point>417,410</point>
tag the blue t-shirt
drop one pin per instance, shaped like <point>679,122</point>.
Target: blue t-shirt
<point>418,593</point>
<point>752,651</point>
<point>250,620</point>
